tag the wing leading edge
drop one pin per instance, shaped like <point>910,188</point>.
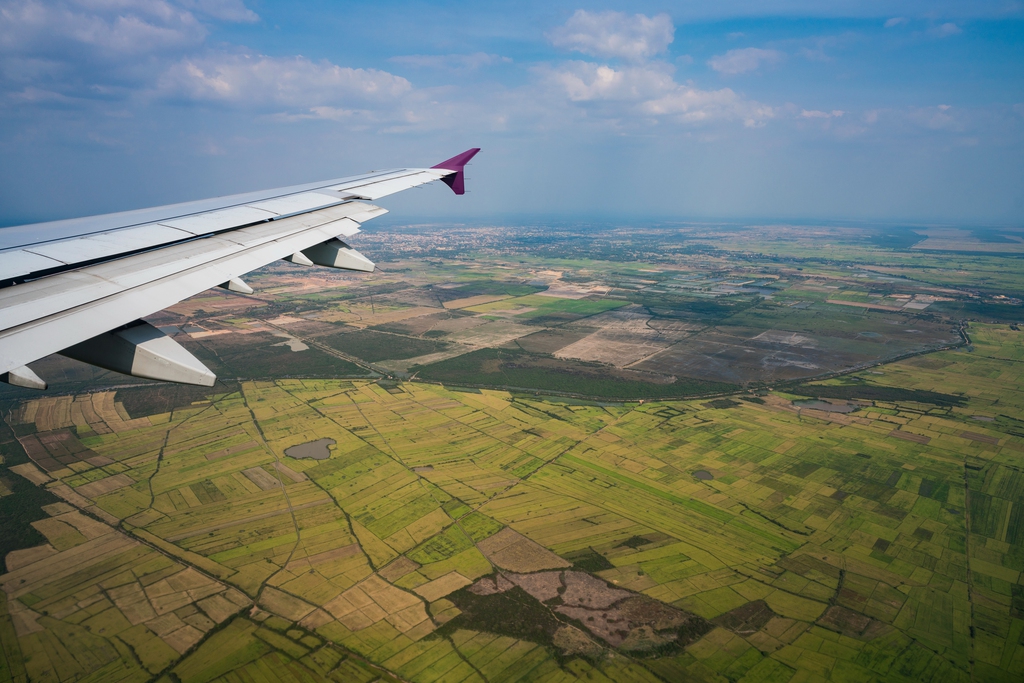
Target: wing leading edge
<point>81,287</point>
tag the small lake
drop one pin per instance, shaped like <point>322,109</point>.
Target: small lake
<point>703,475</point>
<point>291,342</point>
<point>317,450</point>
<point>814,404</point>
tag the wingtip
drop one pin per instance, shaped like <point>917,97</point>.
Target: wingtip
<point>457,180</point>
<point>457,162</point>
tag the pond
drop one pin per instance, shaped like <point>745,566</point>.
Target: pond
<point>291,342</point>
<point>703,475</point>
<point>317,450</point>
<point>825,406</point>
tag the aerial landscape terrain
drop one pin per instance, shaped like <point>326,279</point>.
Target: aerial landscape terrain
<point>479,342</point>
<point>544,452</point>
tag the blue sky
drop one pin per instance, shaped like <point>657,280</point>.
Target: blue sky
<point>889,111</point>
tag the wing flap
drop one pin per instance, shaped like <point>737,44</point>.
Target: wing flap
<point>215,221</point>
<point>383,188</point>
<point>94,247</point>
<point>19,263</point>
<point>297,203</point>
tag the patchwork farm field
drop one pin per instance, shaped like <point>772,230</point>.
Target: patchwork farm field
<point>677,453</point>
<point>487,535</point>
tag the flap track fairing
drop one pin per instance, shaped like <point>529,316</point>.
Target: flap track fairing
<point>235,284</point>
<point>336,254</point>
<point>142,350</point>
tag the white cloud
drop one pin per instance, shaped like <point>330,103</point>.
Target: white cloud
<point>612,35</point>
<point>66,30</point>
<point>690,105</point>
<point>945,30</point>
<point>815,114</point>
<point>324,113</point>
<point>254,79</point>
<point>101,49</point>
<point>830,121</point>
<point>332,113</point>
<point>586,81</point>
<point>814,54</point>
<point>647,92</point>
<point>225,10</point>
<point>456,62</point>
<point>895,21</point>
<point>744,60</point>
<point>940,117</point>
<point>935,118</point>
<point>32,95</point>
<point>68,53</point>
<point>644,92</point>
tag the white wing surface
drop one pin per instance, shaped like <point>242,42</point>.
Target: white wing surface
<point>80,287</point>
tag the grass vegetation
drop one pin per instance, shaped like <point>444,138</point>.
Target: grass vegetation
<point>376,346</point>
<point>267,356</point>
<point>515,368</point>
<point>872,392</point>
<point>499,288</point>
<point>22,502</point>
<point>513,613</point>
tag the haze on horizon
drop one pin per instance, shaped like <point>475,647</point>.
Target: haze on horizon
<point>893,111</point>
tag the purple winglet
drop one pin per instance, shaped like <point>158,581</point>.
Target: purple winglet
<point>457,180</point>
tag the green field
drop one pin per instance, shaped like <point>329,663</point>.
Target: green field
<point>725,463</point>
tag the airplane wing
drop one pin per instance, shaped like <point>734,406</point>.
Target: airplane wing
<point>81,287</point>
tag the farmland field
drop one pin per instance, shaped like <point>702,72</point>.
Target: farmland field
<point>549,461</point>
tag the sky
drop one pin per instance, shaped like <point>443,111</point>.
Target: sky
<point>903,111</point>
